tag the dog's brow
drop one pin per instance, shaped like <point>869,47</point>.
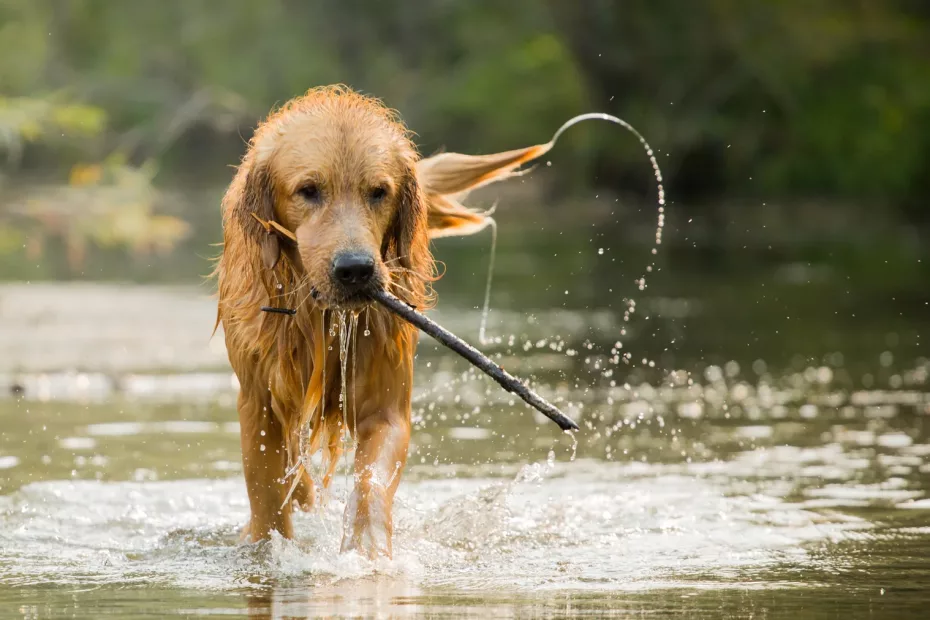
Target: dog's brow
<point>379,181</point>
<point>309,178</point>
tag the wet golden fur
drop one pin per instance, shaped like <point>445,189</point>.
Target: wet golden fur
<point>347,149</point>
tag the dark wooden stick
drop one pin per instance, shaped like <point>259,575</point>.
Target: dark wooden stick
<point>287,311</point>
<point>476,357</point>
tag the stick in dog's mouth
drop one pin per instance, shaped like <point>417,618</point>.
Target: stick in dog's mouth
<point>473,355</point>
<point>470,353</point>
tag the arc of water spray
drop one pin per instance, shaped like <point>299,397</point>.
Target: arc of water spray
<point>545,148</point>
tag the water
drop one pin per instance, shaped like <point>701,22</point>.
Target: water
<point>754,441</point>
<point>760,485</point>
<point>100,514</point>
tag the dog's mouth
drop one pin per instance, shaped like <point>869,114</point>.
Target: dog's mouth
<point>352,301</point>
<point>347,298</point>
<point>335,300</point>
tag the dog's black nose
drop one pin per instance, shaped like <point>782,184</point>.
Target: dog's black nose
<point>353,270</point>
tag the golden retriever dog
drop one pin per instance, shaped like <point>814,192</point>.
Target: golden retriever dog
<point>331,201</point>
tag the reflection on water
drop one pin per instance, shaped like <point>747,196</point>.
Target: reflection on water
<point>741,486</point>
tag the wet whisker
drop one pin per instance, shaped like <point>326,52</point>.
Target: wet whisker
<point>397,285</point>
<point>305,282</point>
<point>311,293</point>
<point>411,272</point>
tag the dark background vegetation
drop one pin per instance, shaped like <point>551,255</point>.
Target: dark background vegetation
<point>791,132</point>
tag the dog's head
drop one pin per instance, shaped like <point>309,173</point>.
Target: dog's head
<point>338,170</point>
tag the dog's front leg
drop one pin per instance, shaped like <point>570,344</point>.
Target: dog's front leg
<point>382,438</point>
<point>264,459</point>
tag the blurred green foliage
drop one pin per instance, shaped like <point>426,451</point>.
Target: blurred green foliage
<point>826,97</point>
<point>104,204</point>
<point>786,100</point>
<point>31,119</point>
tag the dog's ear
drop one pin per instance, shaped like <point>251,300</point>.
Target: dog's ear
<point>406,239</point>
<point>448,177</point>
<point>255,211</point>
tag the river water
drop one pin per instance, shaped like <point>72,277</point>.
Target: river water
<point>759,453</point>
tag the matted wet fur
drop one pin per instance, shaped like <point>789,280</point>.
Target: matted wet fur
<point>338,172</point>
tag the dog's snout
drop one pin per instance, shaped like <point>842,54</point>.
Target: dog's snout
<point>353,270</point>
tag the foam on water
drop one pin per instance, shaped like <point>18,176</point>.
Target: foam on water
<point>587,525</point>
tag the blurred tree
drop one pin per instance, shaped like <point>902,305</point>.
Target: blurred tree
<point>790,99</point>
<point>794,99</point>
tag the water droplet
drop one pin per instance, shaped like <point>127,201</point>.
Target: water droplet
<point>262,447</point>
<point>600,250</point>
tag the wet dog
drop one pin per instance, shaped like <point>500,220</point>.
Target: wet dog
<point>331,202</point>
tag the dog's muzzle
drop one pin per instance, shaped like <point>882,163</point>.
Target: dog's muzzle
<point>353,272</point>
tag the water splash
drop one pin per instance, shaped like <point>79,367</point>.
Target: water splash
<point>347,329</point>
<point>304,455</point>
<point>660,220</point>
<point>355,318</point>
<point>486,309</point>
<point>342,327</point>
<point>657,171</point>
<point>574,444</point>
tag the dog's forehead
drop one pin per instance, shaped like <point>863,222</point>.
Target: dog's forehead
<point>334,145</point>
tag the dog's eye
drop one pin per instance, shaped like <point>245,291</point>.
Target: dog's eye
<point>310,192</point>
<point>377,194</point>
